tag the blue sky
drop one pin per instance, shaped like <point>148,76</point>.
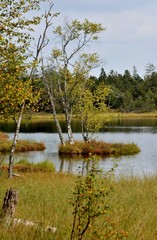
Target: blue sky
<point>130,37</point>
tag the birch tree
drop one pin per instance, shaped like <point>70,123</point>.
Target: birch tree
<point>49,78</point>
<point>18,18</point>
<point>73,37</point>
<point>89,106</point>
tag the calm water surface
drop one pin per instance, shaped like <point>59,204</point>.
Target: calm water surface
<point>144,134</point>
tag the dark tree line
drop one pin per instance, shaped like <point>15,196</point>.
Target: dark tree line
<point>129,91</point>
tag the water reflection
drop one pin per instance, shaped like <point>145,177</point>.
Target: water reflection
<point>38,126</point>
<point>120,125</point>
<point>143,132</point>
<point>144,163</point>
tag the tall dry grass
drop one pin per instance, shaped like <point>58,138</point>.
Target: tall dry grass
<point>45,198</point>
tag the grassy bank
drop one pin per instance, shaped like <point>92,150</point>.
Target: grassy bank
<point>45,198</point>
<point>135,115</point>
<point>107,116</point>
<point>98,148</point>
<point>22,145</point>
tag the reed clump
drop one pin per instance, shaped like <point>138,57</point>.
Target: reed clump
<point>98,148</point>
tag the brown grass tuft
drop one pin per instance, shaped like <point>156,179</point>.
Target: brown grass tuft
<point>22,145</point>
<point>98,148</point>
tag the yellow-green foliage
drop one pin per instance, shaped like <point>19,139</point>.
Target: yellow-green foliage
<point>44,198</point>
<point>98,148</point>
<point>91,204</point>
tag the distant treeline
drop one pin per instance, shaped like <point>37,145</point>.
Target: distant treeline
<point>130,92</point>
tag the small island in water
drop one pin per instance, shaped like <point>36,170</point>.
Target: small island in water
<point>22,145</point>
<point>88,148</point>
<point>98,148</point>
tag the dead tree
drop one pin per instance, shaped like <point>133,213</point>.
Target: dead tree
<point>9,204</point>
<point>8,210</point>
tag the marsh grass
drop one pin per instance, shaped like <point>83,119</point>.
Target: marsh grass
<point>3,136</point>
<point>25,166</point>
<point>117,115</point>
<point>98,148</point>
<point>22,145</point>
<point>45,198</point>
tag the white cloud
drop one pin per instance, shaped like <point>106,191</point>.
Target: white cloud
<point>130,36</point>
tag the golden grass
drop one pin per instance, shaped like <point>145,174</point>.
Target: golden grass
<point>22,145</point>
<point>109,115</point>
<point>98,148</point>
<point>45,198</point>
<point>3,136</point>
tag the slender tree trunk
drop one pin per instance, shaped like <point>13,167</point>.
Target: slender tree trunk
<point>69,130</point>
<point>12,151</point>
<point>59,130</point>
<point>85,132</point>
<point>51,96</point>
<point>66,113</point>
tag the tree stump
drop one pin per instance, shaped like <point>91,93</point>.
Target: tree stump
<point>9,204</point>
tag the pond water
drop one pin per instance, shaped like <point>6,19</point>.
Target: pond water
<point>141,132</point>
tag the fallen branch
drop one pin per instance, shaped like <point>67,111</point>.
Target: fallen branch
<point>34,224</point>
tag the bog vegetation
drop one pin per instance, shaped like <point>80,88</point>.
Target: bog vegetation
<point>47,198</point>
<point>22,145</point>
<point>98,148</point>
<point>63,84</point>
<point>93,206</point>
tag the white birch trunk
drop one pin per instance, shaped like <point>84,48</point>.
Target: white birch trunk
<point>66,112</point>
<point>13,147</point>
<point>51,96</point>
<point>59,130</point>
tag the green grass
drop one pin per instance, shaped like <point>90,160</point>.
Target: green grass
<point>25,166</point>
<point>98,148</point>
<point>45,198</point>
<point>107,116</point>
